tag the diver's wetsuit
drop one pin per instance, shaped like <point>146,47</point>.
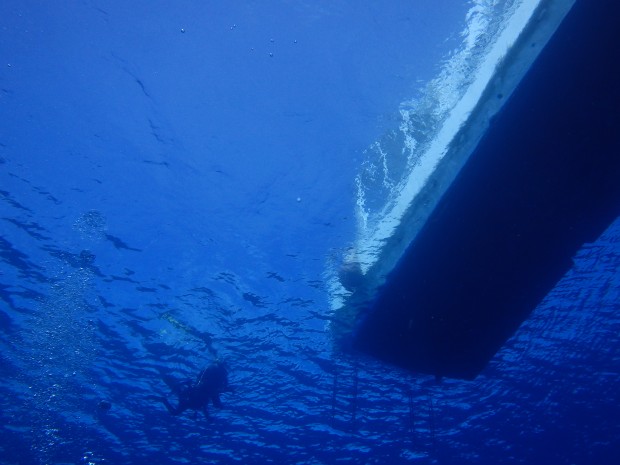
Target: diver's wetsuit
<point>211,382</point>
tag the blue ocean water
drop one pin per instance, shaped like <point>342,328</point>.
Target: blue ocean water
<point>178,182</point>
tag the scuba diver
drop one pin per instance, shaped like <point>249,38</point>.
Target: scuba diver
<point>211,382</point>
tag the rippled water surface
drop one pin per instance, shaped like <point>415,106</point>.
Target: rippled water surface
<point>177,181</point>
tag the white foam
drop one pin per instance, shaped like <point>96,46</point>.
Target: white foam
<point>370,241</point>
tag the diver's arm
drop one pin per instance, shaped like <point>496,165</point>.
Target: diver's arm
<point>171,409</point>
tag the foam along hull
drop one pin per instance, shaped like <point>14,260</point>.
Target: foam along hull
<point>543,180</point>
